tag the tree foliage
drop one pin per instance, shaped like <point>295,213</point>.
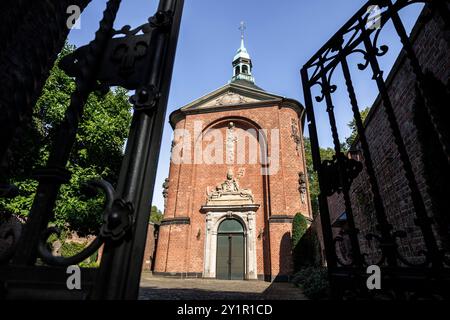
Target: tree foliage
<point>156,215</point>
<point>97,152</point>
<point>352,125</point>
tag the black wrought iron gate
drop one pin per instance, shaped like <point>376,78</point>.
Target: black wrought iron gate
<point>127,207</point>
<point>399,276</point>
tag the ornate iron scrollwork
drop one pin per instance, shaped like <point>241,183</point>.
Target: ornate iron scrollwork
<point>402,234</point>
<point>377,51</point>
<point>397,235</point>
<point>342,251</point>
<point>127,58</point>
<point>125,62</point>
<point>10,231</point>
<point>331,176</point>
<point>8,190</point>
<point>117,220</point>
<point>138,59</point>
<point>10,225</point>
<point>372,236</point>
<point>145,98</point>
<point>361,35</point>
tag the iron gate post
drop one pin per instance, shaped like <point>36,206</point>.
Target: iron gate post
<point>325,221</point>
<point>343,178</point>
<point>121,264</point>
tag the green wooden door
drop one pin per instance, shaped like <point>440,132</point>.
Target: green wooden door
<point>237,257</point>
<point>230,264</point>
<point>223,248</point>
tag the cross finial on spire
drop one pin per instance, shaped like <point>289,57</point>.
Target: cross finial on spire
<point>242,27</point>
<point>242,64</point>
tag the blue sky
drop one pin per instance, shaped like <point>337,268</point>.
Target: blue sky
<point>281,36</point>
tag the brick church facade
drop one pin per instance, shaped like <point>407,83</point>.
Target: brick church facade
<point>237,178</point>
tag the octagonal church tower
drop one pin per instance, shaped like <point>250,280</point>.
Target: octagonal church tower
<point>237,178</point>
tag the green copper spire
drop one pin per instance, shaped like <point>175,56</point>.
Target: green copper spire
<point>242,63</point>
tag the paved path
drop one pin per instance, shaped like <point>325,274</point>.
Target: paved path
<point>160,288</point>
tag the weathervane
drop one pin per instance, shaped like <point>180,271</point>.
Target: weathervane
<point>242,27</point>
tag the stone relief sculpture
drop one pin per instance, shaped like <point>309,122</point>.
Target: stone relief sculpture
<point>241,172</point>
<point>296,136</point>
<point>229,189</point>
<point>302,186</point>
<point>165,191</point>
<point>230,98</point>
<point>231,139</point>
<point>165,186</point>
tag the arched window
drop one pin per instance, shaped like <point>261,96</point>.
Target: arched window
<point>244,69</point>
<point>230,226</point>
<point>236,71</point>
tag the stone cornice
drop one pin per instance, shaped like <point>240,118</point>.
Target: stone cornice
<point>233,208</point>
<point>176,220</point>
<point>281,219</point>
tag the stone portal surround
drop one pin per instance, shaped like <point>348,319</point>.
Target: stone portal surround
<point>214,216</point>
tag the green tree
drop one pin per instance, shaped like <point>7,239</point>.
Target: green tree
<point>97,152</point>
<point>156,215</point>
<point>299,226</point>
<point>352,125</point>
<point>325,154</point>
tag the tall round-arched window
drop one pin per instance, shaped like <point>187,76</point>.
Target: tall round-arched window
<point>230,226</point>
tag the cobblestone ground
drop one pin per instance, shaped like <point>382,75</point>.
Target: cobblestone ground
<point>161,288</point>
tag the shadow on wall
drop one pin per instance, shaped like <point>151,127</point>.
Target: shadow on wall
<point>285,259</point>
<point>306,253</point>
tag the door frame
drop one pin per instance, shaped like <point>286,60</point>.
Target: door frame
<point>248,221</point>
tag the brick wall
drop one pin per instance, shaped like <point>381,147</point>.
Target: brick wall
<point>150,246</point>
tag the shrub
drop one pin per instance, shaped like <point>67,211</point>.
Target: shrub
<point>300,277</point>
<point>313,281</point>
<point>89,264</point>
<point>299,226</point>
<point>69,249</point>
<point>305,244</point>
